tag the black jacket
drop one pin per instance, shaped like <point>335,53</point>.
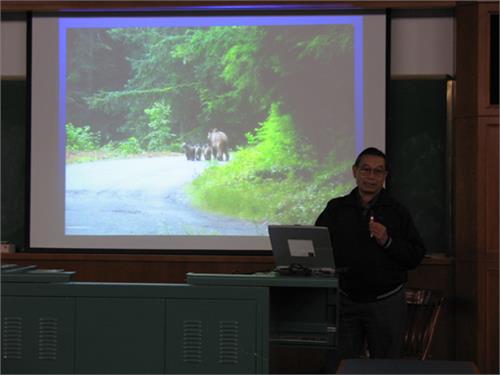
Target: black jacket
<point>370,269</point>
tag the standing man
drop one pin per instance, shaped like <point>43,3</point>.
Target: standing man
<point>375,242</point>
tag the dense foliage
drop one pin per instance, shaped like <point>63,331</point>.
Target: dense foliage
<point>274,179</point>
<point>219,77</point>
<point>133,90</point>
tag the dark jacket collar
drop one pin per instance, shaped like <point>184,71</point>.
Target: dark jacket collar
<point>382,198</point>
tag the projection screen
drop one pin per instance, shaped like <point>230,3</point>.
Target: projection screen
<point>197,132</point>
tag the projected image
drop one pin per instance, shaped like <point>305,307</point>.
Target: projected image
<point>206,130</point>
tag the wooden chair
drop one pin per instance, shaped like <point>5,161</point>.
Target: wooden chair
<point>424,307</point>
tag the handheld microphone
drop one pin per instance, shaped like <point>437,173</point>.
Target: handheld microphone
<point>372,219</point>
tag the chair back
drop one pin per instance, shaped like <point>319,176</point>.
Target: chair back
<point>423,311</point>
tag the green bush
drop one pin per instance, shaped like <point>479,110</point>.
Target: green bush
<point>130,146</point>
<point>81,138</point>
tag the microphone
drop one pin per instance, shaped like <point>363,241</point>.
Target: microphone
<point>372,219</point>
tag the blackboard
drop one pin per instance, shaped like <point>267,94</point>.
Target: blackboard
<point>14,158</point>
<point>417,150</point>
<point>416,140</point>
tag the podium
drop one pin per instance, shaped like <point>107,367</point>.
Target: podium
<point>303,311</point>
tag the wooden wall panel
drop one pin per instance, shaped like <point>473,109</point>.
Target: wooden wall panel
<point>485,108</point>
<point>487,243</point>
<point>149,268</point>
<point>472,57</point>
<point>492,326</point>
<point>487,327</point>
<point>476,224</point>
<point>489,128</point>
<point>466,59</point>
<point>465,187</point>
<point>466,309</point>
<point>476,203</point>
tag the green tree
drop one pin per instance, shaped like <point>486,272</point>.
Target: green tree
<point>161,134</point>
<point>95,63</point>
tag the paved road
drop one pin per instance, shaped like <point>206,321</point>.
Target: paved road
<point>142,196</point>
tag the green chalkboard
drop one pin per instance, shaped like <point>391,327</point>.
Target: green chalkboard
<point>14,158</point>
<point>416,141</point>
<point>417,152</point>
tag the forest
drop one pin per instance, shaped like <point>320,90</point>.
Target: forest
<point>152,90</point>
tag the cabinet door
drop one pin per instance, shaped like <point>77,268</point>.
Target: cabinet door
<point>37,335</point>
<point>120,335</point>
<point>211,336</point>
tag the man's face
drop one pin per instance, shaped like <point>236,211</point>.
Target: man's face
<point>370,174</point>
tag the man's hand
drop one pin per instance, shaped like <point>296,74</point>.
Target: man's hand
<point>378,231</point>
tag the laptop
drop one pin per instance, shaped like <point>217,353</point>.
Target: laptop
<point>302,250</point>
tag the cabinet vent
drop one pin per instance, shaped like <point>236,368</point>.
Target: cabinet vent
<point>12,337</point>
<point>192,341</point>
<point>228,341</point>
<point>48,329</point>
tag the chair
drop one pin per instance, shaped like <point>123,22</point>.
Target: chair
<point>424,307</point>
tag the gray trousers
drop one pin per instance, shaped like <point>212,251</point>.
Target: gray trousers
<point>376,326</point>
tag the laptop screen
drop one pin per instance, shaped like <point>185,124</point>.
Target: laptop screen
<point>307,246</point>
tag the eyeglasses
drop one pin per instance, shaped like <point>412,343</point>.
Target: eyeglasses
<point>366,171</point>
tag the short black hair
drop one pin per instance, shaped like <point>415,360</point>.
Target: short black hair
<point>374,152</point>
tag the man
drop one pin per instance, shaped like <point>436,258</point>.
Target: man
<point>375,242</point>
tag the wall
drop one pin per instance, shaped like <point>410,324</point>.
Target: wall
<point>422,46</point>
<point>13,53</point>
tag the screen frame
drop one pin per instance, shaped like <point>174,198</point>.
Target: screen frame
<point>188,11</point>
